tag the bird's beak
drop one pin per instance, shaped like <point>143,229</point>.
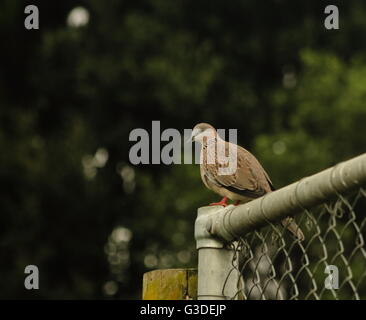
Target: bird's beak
<point>195,132</point>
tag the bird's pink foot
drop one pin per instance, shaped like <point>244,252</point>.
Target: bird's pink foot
<point>237,203</point>
<point>223,202</point>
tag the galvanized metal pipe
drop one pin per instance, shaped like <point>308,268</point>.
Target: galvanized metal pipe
<point>231,222</point>
<point>217,277</point>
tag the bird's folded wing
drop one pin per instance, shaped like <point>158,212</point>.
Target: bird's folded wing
<point>249,177</point>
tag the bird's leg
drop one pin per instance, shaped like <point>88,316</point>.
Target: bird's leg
<point>237,203</point>
<point>223,202</point>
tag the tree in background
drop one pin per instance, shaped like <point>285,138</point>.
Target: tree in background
<point>72,204</point>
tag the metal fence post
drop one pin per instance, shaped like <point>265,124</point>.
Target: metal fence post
<point>217,274</point>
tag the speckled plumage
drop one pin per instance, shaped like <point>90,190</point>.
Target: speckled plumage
<point>247,182</point>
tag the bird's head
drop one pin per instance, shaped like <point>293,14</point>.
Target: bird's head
<point>202,130</point>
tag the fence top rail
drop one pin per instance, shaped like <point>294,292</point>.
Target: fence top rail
<point>232,222</point>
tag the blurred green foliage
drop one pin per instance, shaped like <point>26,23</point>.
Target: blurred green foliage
<point>325,126</point>
<point>70,201</point>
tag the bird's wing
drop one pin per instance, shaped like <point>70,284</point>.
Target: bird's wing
<point>249,179</point>
<point>269,180</point>
<point>203,176</point>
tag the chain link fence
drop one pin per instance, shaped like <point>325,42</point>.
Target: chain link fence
<point>329,264</point>
<point>245,253</point>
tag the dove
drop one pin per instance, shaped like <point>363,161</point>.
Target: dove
<point>246,182</point>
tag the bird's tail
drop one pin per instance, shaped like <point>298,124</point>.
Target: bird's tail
<point>290,224</point>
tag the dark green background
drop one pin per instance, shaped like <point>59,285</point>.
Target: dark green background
<point>295,91</point>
